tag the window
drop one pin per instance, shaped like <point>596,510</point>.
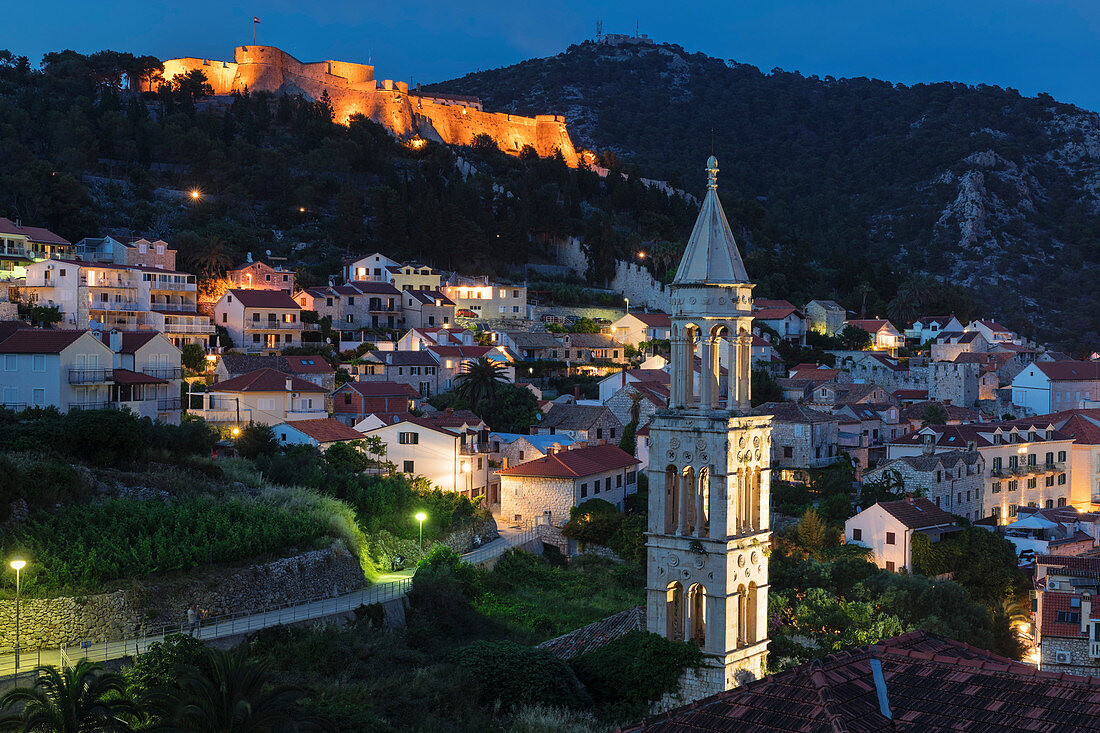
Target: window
<point>1013,485</point>
<point>788,451</point>
<point>584,490</point>
<point>11,362</point>
<point>1062,501</point>
<point>939,476</point>
<point>996,513</point>
<point>599,433</point>
<point>890,565</point>
<point>408,438</point>
<point>479,464</point>
<point>1011,510</point>
<point>631,477</point>
<point>408,467</point>
<point>1049,481</point>
<point>889,538</point>
<point>38,397</point>
<point>612,433</point>
<point>1049,504</point>
<point>1069,617</point>
<point>960,499</point>
<point>596,486</point>
<point>996,487</point>
<point>619,481</point>
<point>1032,483</point>
<point>1061,479</point>
<point>857,535</point>
<point>1061,456</point>
<point>521,455</point>
<point>38,363</point>
<point>997,463</point>
<point>607,483</point>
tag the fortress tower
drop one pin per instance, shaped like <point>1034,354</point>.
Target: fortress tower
<point>707,573</point>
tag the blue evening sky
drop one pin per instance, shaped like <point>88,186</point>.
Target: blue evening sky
<point>1030,45</point>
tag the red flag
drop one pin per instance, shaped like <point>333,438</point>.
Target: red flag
<point>255,19</point>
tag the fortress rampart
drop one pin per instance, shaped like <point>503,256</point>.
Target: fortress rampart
<point>353,89</point>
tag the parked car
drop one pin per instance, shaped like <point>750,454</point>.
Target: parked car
<point>465,313</point>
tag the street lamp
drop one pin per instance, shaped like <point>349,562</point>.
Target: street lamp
<point>420,517</point>
<point>195,194</point>
<point>627,305</point>
<point>17,564</point>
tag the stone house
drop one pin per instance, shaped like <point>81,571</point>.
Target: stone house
<point>418,369</point>
<point>993,332</point>
<point>589,423</point>
<point>592,347</point>
<point>788,322</point>
<point>1066,624</point>
<point>512,449</point>
<point>611,384</point>
<point>953,480</point>
<point>549,487</point>
<point>887,529</point>
<point>950,344</point>
<point>127,251</point>
<point>802,438</point>
<point>260,276</point>
<point>654,396</point>
<point>426,308</point>
<point>825,316</point>
<point>354,401</point>
<point>354,307</point>
<point>532,346</point>
<point>264,321</point>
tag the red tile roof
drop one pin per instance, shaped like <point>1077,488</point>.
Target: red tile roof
<point>575,463</point>
<point>125,376</point>
<point>1055,602</point>
<point>383,389</point>
<point>308,365</point>
<point>931,684</point>
<point>326,430</point>
<point>994,326</point>
<point>265,299</point>
<point>772,303</point>
<point>34,234</point>
<point>871,325</point>
<point>453,418</point>
<point>460,352</point>
<point>1070,371</point>
<point>775,314</point>
<point>39,341</point>
<point>654,320</point>
<point>917,513</point>
<point>131,340</point>
<point>266,380</point>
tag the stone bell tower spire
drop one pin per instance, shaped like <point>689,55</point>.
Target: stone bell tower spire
<point>707,574</point>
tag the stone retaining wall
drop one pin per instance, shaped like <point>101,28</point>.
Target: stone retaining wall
<point>126,613</point>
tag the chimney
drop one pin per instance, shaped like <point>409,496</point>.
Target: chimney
<point>449,411</point>
<point>576,393</point>
<point>503,462</point>
<point>289,384</point>
<point>1086,613</point>
<point>116,341</point>
<point>908,497</point>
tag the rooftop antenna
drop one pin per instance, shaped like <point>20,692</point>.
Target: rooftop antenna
<point>637,27</point>
<point>599,29</point>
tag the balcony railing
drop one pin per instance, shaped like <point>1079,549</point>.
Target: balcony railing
<point>116,306</point>
<point>186,328</point>
<point>120,283</point>
<point>273,326</point>
<point>1094,649</point>
<point>93,405</point>
<point>170,404</point>
<point>174,307</point>
<point>164,372</point>
<point>16,406</point>
<point>89,376</point>
<point>173,287</point>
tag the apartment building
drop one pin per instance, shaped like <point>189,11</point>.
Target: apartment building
<point>485,300</point>
<point>260,321</point>
<point>22,245</point>
<point>134,251</point>
<point>265,396</point>
<point>154,362</point>
<point>355,307</point>
<point>374,267</point>
<point>451,461</point>
<point>1027,464</point>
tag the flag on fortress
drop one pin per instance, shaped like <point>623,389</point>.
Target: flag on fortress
<point>255,19</point>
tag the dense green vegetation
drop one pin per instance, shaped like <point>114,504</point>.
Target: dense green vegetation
<point>836,187</point>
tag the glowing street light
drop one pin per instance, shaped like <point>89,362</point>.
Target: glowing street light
<point>17,565</point>
<point>236,432</point>
<point>195,194</point>
<point>420,517</point>
<point>641,255</point>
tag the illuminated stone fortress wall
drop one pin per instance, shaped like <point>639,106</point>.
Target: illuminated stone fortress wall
<point>353,89</point>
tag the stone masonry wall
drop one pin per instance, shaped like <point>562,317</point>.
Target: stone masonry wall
<point>54,622</point>
<point>1082,663</point>
<point>632,280</point>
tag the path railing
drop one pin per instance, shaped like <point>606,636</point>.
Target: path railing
<point>502,544</point>
<point>216,627</point>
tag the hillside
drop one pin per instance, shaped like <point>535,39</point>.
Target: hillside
<point>977,186</point>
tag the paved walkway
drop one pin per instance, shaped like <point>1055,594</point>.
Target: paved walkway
<point>388,588</point>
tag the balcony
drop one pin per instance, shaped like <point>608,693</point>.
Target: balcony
<point>174,307</point>
<point>93,405</point>
<point>1094,649</point>
<point>121,283</point>
<point>14,406</point>
<point>273,326</point>
<point>170,404</point>
<point>89,376</point>
<point>206,328</point>
<point>116,306</point>
<point>156,285</point>
<point>163,372</point>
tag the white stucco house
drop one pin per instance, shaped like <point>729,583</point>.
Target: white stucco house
<point>1053,386</point>
<point>887,529</point>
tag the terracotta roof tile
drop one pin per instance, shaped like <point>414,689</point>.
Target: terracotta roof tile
<point>39,341</point>
<point>265,380</point>
<point>575,463</point>
<point>383,389</point>
<point>265,299</point>
<point>34,234</point>
<point>326,430</point>
<point>917,513</point>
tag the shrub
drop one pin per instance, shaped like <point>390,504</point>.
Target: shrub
<point>519,675</point>
<point>159,665</point>
<point>257,440</point>
<point>635,670</point>
<point>593,522</point>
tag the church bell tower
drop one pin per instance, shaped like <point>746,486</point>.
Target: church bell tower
<point>706,567</point>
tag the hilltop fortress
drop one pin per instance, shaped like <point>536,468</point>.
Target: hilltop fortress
<point>408,114</point>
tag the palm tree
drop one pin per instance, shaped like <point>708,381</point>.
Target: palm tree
<point>636,398</point>
<point>229,693</point>
<point>214,258</point>
<point>79,699</point>
<point>480,380</point>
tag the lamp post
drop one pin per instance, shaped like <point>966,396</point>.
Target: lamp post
<point>17,564</point>
<point>627,305</point>
<point>420,517</point>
